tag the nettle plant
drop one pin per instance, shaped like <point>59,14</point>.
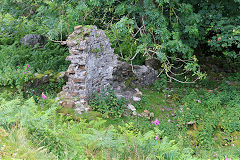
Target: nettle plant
<point>107,103</point>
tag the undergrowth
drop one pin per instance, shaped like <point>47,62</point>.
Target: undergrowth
<point>205,116</point>
<point>16,144</point>
<point>107,103</point>
<point>67,139</point>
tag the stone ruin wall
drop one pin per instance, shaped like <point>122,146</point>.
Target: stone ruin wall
<point>94,67</point>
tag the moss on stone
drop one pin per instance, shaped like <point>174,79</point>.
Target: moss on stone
<point>128,82</point>
<point>48,72</point>
<point>84,32</point>
<point>91,115</point>
<point>78,37</point>
<point>95,50</point>
<point>57,76</point>
<point>52,80</point>
<point>39,76</point>
<point>88,26</point>
<point>101,48</point>
<point>66,111</point>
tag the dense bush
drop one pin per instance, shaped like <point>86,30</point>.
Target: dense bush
<point>141,29</point>
<point>174,31</point>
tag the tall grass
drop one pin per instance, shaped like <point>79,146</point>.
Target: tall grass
<point>15,144</point>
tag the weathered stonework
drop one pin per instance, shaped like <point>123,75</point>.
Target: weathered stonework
<point>95,67</point>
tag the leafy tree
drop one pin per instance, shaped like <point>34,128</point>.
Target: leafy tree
<point>176,32</point>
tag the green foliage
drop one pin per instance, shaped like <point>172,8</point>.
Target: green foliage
<point>15,57</point>
<point>79,140</point>
<point>161,84</point>
<point>30,88</point>
<point>144,103</point>
<point>121,38</point>
<point>135,28</point>
<point>169,30</point>
<point>11,76</point>
<point>107,103</point>
<point>215,114</point>
<point>50,57</point>
<point>220,27</point>
<point>12,29</point>
<point>37,122</point>
<point>206,120</point>
<point>130,144</point>
<point>14,143</point>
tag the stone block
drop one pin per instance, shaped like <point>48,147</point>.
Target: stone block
<point>75,52</point>
<point>84,73</point>
<point>76,57</point>
<point>78,27</point>
<point>83,96</point>
<point>82,67</point>
<point>71,36</point>
<point>79,80</point>
<point>82,87</point>
<point>33,39</point>
<point>70,70</point>
<point>73,94</point>
<point>71,43</point>
<point>76,93</point>
<point>78,61</point>
<point>81,48</point>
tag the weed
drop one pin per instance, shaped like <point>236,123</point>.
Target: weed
<point>107,103</point>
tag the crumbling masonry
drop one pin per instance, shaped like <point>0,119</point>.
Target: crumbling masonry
<point>94,67</point>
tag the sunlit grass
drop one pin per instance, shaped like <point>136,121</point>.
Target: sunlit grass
<point>15,144</point>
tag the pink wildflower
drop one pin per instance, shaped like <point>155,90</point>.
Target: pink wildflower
<point>44,96</point>
<point>227,158</point>
<point>156,122</point>
<point>156,138</point>
<point>28,66</point>
<point>24,72</point>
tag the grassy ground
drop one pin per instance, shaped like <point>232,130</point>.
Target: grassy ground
<point>15,144</point>
<point>203,117</point>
